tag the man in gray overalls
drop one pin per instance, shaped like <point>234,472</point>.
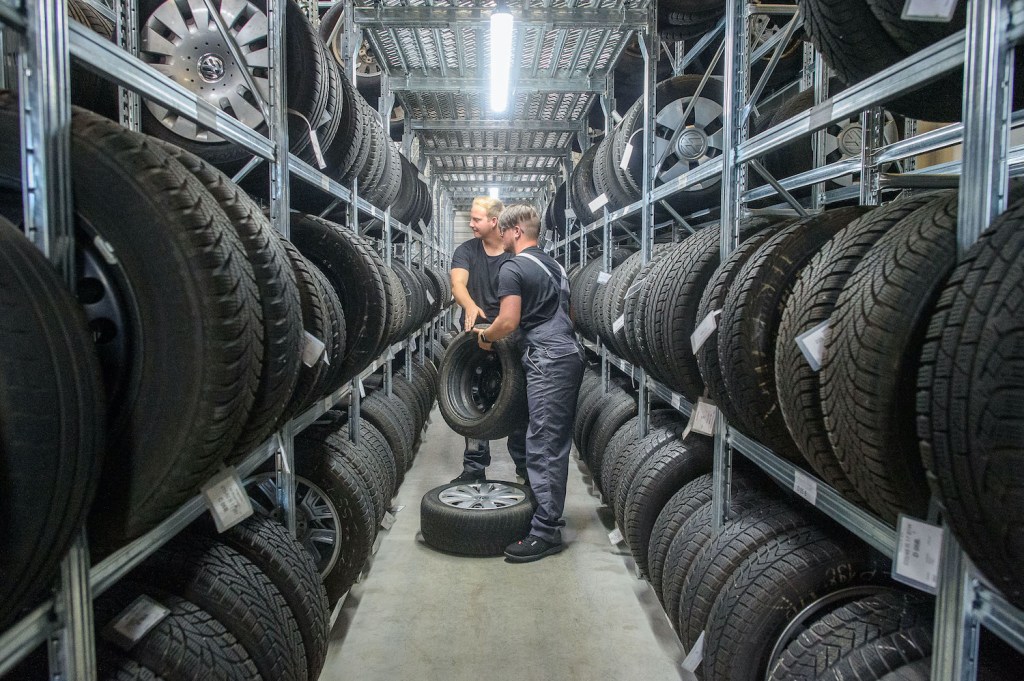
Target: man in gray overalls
<point>534,294</point>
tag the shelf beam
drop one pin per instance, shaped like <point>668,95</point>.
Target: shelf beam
<point>457,18</point>
<point>522,85</point>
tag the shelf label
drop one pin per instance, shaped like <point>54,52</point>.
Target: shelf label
<point>412,345</point>
<point>805,486</point>
<point>627,154</point>
<point>929,10</point>
<point>704,330</point>
<point>702,418</point>
<point>615,537</point>
<point>430,298</point>
<point>695,656</point>
<point>312,349</point>
<point>918,550</point>
<point>362,389</point>
<point>388,522</point>
<point>812,344</point>
<point>603,278</point>
<point>677,402</point>
<point>314,142</point>
<point>598,203</point>
<point>618,324</point>
<point>227,500</point>
<point>135,621</point>
<point>635,287</point>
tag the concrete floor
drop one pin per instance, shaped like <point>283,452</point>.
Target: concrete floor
<point>420,614</point>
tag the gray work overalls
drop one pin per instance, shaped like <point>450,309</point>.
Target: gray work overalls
<point>553,362</point>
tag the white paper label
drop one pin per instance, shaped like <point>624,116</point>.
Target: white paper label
<point>312,349</point>
<point>627,154</point>
<point>635,287</point>
<point>412,345</point>
<point>618,324</point>
<point>812,343</point>
<point>570,213</point>
<point>929,10</point>
<point>430,298</point>
<point>314,141</point>
<point>388,521</point>
<point>919,548</point>
<point>397,509</point>
<point>704,330</point>
<point>615,537</point>
<point>362,388</point>
<point>598,203</point>
<point>677,402</point>
<point>137,620</point>
<point>702,418</point>
<point>603,277</point>
<point>696,654</point>
<point>805,486</point>
<point>227,500</point>
<point>325,183</point>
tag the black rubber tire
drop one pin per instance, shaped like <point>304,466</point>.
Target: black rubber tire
<point>475,531</point>
<point>175,410</point>
<point>278,294</point>
<point>234,590</point>
<point>352,498</point>
<point>507,408</point>
<point>581,185</point>
<point>633,311</point>
<point>714,299</point>
<point>624,437</point>
<point>773,585</point>
<point>871,357</point>
<point>968,387</point>
<point>412,397</point>
<point>832,638</point>
<point>188,644</point>
<point>268,544</point>
<point>330,378</point>
<point>52,429</point>
<point>915,671</point>
<point>588,398</point>
<point>356,272</point>
<point>637,312</point>
<point>726,549</point>
<point>617,477</point>
<point>89,90</point>
<point>674,514</point>
<point>615,412</point>
<point>304,196</point>
<point>623,277</point>
<point>380,411</point>
<point>811,303</point>
<point>112,665</point>
<point>316,322</point>
<point>750,320</point>
<point>912,36</point>
<point>594,408</point>
<point>887,654</point>
<point>654,483</point>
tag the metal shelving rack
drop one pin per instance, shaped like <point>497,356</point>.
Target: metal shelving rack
<point>965,603</point>
<point>45,40</point>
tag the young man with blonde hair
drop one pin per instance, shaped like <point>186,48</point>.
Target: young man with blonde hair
<point>534,293</point>
<point>474,275</point>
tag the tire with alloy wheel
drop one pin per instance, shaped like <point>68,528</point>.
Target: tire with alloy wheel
<point>479,519</point>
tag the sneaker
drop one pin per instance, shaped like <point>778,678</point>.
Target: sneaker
<point>469,477</point>
<point>530,549</point>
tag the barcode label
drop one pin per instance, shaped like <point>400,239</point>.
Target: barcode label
<point>226,498</point>
<point>805,486</point>
<point>919,550</point>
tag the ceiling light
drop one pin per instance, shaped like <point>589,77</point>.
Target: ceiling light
<point>493,193</point>
<point>501,56</point>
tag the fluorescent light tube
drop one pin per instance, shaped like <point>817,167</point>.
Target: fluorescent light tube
<point>501,56</point>
<point>493,192</point>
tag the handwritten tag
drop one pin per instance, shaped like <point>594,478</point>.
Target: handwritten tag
<point>388,521</point>
<point>704,330</point>
<point>135,621</point>
<point>805,486</point>
<point>812,344</point>
<point>598,203</point>
<point>226,498</point>
<point>919,549</point>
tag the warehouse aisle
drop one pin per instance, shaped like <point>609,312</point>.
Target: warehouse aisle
<point>420,614</point>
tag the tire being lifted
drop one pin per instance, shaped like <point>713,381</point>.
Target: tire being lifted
<point>482,394</point>
<point>480,519</point>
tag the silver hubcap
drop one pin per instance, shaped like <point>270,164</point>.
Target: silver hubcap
<point>181,40</point>
<point>685,144</point>
<point>846,139</point>
<point>482,496</point>
<point>851,140</point>
<point>692,144</point>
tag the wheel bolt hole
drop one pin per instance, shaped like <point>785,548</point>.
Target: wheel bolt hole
<point>90,291</point>
<point>103,330</point>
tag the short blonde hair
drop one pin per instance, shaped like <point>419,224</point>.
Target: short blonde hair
<point>521,214</point>
<point>492,206</point>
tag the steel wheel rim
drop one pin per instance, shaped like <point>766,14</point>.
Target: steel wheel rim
<point>484,381</point>
<point>181,41</point>
<point>482,496</point>
<point>317,523</point>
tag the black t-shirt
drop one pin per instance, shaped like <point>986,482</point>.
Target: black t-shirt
<point>541,296</point>
<point>483,275</point>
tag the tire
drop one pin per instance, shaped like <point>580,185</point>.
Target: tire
<point>871,358</point>
<point>640,344</point>
<point>915,671</point>
<point>114,666</point>
<point>589,399</point>
<point>582,191</point>
<point>680,507</point>
<point>617,477</point>
<point>290,567</point>
<point>633,308</point>
<point>316,322</point>
<point>614,300</point>
<point>52,429</point>
<point>913,36</point>
<point>811,303</point>
<point>187,644</point>
<point>838,636</point>
<point>453,519</point>
<point>750,320</point>
<point>413,399</point>
<point>357,274</point>
<point>625,436</point>
<point>615,412</point>
<point>724,552</point>
<point>493,404</point>
<point>278,294</point>
<point>773,585</point>
<point>397,430</point>
<point>714,299</point>
<point>967,385</point>
<point>331,378</point>
<point>233,589</point>
<point>89,90</point>
<point>878,658</point>
<point>658,478</point>
<point>591,418</point>
<point>176,410</point>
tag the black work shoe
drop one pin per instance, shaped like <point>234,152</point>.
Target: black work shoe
<point>468,478</point>
<point>530,549</point>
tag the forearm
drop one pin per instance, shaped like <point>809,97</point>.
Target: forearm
<point>462,297</point>
<point>500,328</point>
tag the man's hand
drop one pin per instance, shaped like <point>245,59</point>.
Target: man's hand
<point>480,341</point>
<point>473,314</point>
